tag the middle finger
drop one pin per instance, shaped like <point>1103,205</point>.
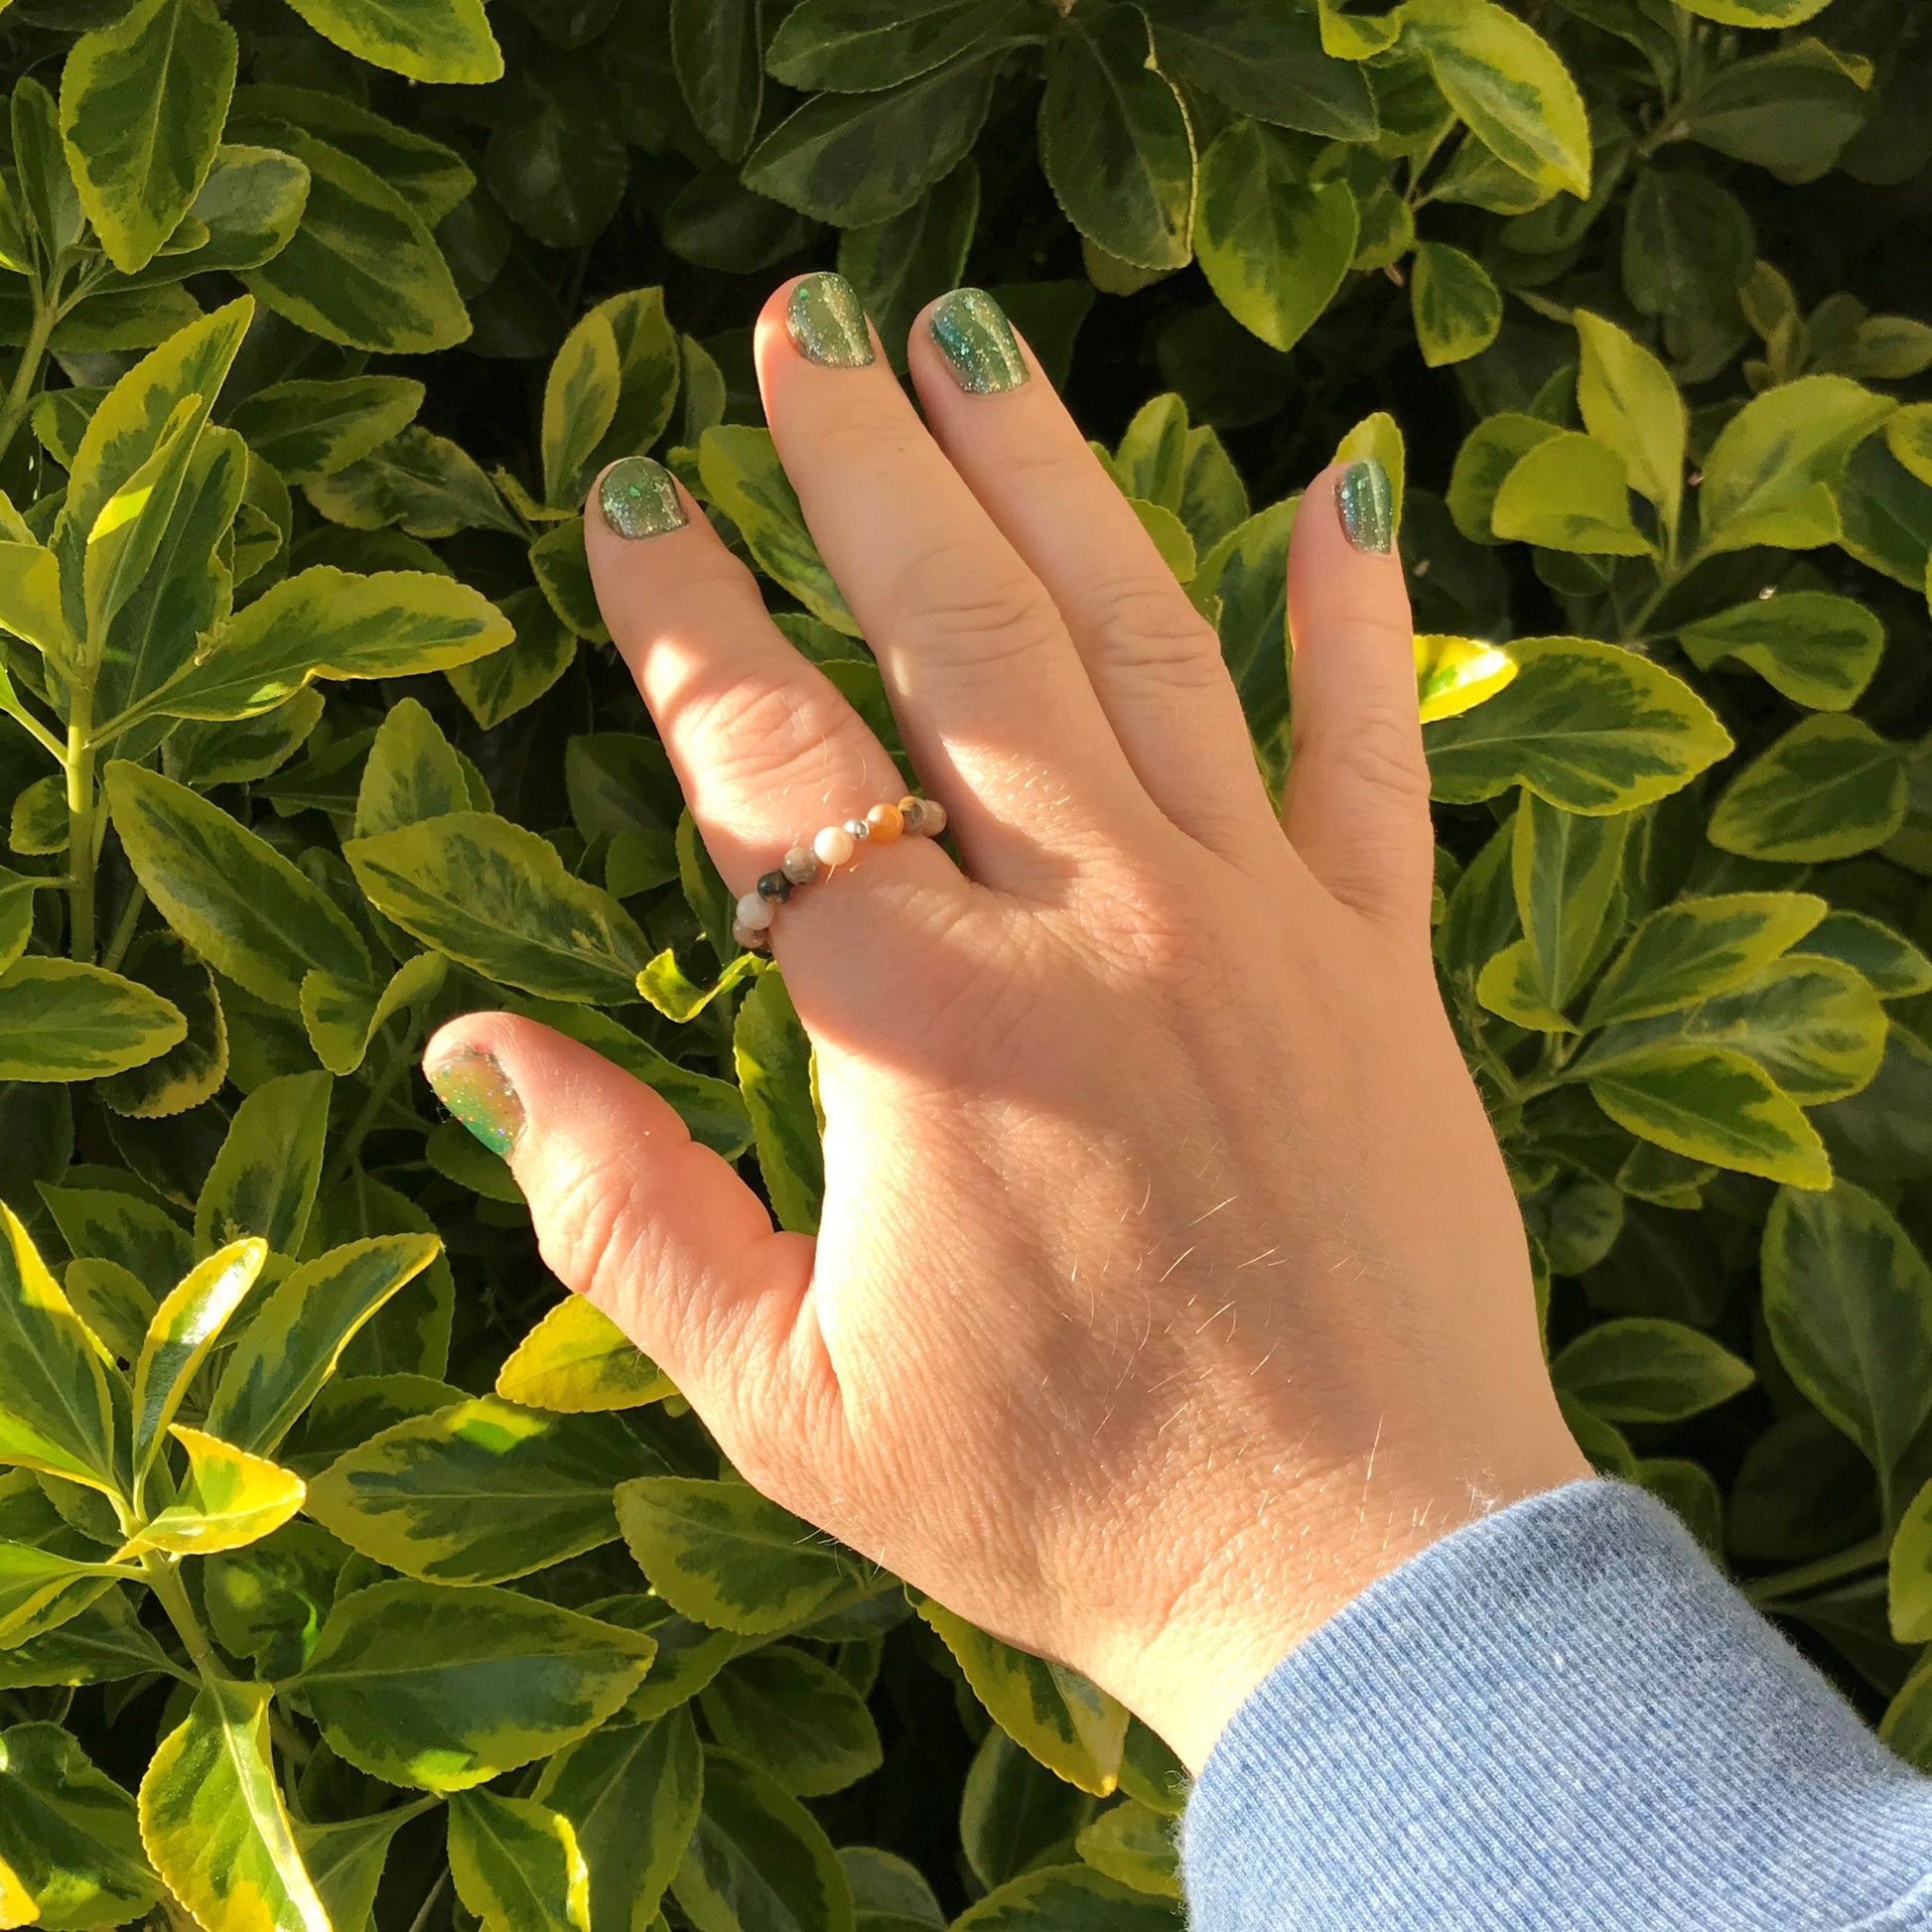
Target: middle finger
<point>997,710</point>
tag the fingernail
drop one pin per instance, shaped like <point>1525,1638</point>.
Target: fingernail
<point>1366,505</point>
<point>477,1093</point>
<point>976,339</point>
<point>827,324</point>
<point>638,498</point>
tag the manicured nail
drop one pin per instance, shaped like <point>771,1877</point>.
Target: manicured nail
<point>478,1093</point>
<point>638,498</point>
<point>976,339</point>
<point>1366,505</point>
<point>827,324</point>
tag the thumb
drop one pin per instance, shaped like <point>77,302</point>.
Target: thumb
<point>653,1228</point>
<point>1356,807</point>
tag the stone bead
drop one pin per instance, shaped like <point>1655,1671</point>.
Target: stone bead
<point>910,811</point>
<point>834,845</point>
<point>754,938</point>
<point>775,886</point>
<point>932,817</point>
<point>801,865</point>
<point>886,823</point>
<point>754,912</point>
<point>858,828</point>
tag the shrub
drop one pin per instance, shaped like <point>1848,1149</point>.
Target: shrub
<point>310,736</point>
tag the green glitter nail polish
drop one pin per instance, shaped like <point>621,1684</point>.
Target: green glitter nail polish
<point>476,1092</point>
<point>826,322</point>
<point>1366,505</point>
<point>976,339</point>
<point>638,498</point>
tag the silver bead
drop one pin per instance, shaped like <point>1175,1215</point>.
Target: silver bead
<point>858,828</point>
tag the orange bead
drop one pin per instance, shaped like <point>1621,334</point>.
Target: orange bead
<point>887,822</point>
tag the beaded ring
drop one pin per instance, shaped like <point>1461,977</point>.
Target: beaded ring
<point>829,848</point>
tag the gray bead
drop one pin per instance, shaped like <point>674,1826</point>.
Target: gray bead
<point>800,865</point>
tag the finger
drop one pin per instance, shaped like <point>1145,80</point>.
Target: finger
<point>989,691</point>
<point>1358,798</point>
<point>766,749</point>
<point>655,1229</point>
<point>1154,660</point>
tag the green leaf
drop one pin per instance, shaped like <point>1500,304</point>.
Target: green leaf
<point>858,158</point>
<point>1710,1104</point>
<point>1814,1026</point>
<point>900,264</point>
<point>773,1057</point>
<point>1262,58</point>
<point>741,475</point>
<point>1505,80</point>
<point>310,430</point>
<point>578,1361</point>
<point>1907,1723</point>
<point>446,1689</point>
<point>40,1589</point>
<point>1567,871</point>
<point>1488,454</point>
<point>1135,1844</point>
<point>858,46</point>
<point>498,899</point>
<point>1773,473</point>
<point>1273,245</point>
<point>231,1499</point>
<point>423,483</point>
<point>1909,435</point>
<point>264,1178</point>
<point>1067,1898</point>
<point>721,1554</point>
<point>505,682</point>
<point>30,599</point>
<point>213,1820</point>
<point>186,1327</point>
<point>324,622</point>
<point>1639,1370</point>
<point>1818,649</point>
<point>1755,13</point>
<point>631,1793</point>
<point>1631,406</point>
<point>104,1644</point>
<point>1114,141</point>
<point>715,55</point>
<point>517,1865</point>
<point>1457,309</point>
<point>60,1020</point>
<point>1072,1727</point>
<point>142,106</point>
<point>1456,674</point>
<point>1909,1572</point>
<point>193,1069</point>
<point>796,1716</point>
<point>1698,947</point>
<point>266,1602</point>
<point>1014,1813</point>
<point>1896,969</point>
<point>226,891</point>
<point>1568,492</point>
<point>1585,726</point>
<point>580,398</point>
<point>69,1837</point>
<point>346,1859</point>
<point>478,1493</point>
<point>363,269</point>
<point>56,1411</point>
<point>1831,786</point>
<point>425,40</point>
<point>1848,1301</point>
<point>296,1338</point>
<point>125,1228</point>
<point>343,1018</point>
<point>758,1858</point>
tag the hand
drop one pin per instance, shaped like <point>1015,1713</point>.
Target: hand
<point>1170,1286</point>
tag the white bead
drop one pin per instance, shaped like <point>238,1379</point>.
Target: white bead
<point>834,845</point>
<point>754,912</point>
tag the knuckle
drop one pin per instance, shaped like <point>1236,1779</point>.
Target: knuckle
<point>1380,746</point>
<point>587,1230</point>
<point>749,731</point>
<point>963,608</point>
<point>1149,629</point>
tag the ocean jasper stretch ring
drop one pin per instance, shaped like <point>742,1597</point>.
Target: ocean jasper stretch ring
<point>829,848</point>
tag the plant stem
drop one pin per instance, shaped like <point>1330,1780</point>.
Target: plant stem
<point>80,820</point>
<point>164,1578</point>
<point>124,927</point>
<point>371,1108</point>
<point>1827,1569</point>
<point>428,1905</point>
<point>19,394</point>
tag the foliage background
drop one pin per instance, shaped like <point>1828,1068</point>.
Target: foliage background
<point>322,317</point>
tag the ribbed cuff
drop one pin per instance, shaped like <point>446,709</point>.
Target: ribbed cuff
<point>1558,1716</point>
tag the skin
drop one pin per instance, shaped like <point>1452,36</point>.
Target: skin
<point>1170,1286</point>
